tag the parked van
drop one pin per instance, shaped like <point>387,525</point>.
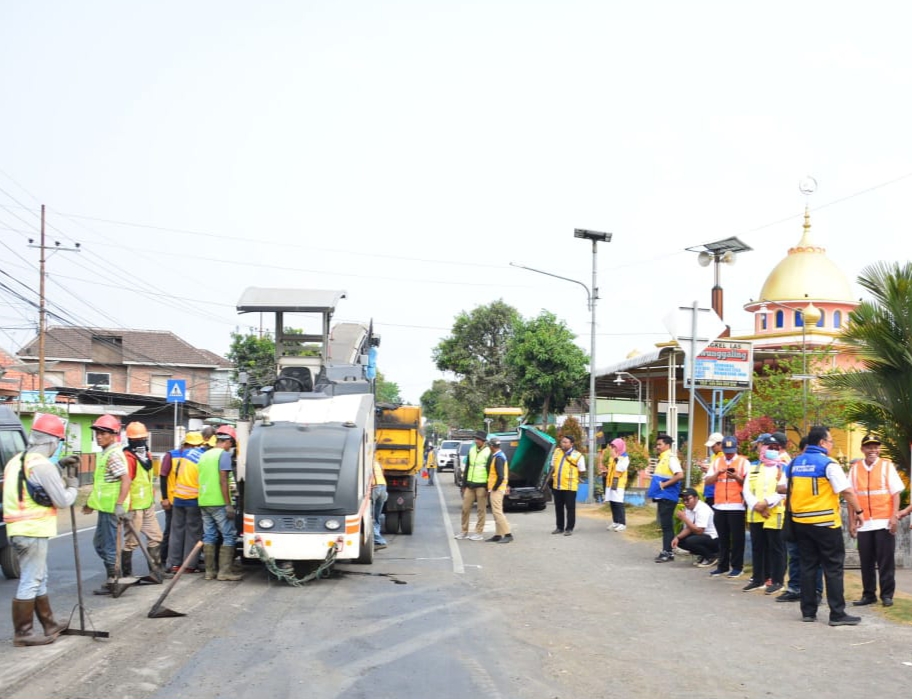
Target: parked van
<point>12,441</point>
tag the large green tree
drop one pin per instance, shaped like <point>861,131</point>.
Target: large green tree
<point>440,404</point>
<point>879,335</point>
<point>785,400</point>
<point>475,352</point>
<point>550,368</point>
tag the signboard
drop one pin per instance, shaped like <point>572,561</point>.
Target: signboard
<point>727,364</point>
<point>177,390</point>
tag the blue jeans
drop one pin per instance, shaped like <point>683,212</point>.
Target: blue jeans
<point>794,569</point>
<point>378,498</point>
<point>105,540</point>
<point>216,521</point>
<point>32,552</point>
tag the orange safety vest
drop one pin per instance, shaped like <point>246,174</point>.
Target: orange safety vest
<point>873,489</point>
<point>728,490</point>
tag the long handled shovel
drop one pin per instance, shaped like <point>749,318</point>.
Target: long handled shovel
<point>160,612</point>
<point>155,572</point>
<point>81,631</point>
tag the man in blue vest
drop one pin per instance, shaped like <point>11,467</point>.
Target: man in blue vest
<point>665,491</point>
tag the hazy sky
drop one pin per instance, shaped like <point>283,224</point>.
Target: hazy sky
<point>408,151</point>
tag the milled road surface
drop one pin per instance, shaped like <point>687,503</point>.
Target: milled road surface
<point>548,616</point>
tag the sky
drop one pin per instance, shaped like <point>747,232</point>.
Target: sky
<point>408,151</point>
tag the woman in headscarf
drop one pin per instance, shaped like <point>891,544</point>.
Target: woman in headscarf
<point>616,482</point>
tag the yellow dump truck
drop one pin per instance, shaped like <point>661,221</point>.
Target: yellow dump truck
<point>400,451</point>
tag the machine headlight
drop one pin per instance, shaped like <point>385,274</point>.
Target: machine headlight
<point>266,523</point>
<point>332,524</point>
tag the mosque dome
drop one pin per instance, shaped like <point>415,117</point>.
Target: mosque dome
<point>806,273</point>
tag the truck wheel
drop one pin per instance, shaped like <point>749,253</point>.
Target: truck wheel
<point>405,521</point>
<point>367,545</point>
<point>9,562</point>
<point>392,523</point>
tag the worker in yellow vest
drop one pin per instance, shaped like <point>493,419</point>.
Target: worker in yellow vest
<point>765,512</point>
<point>474,487</point>
<point>186,519</point>
<point>877,486</point>
<point>498,483</point>
<point>142,513</point>
<point>33,489</point>
<point>110,495</point>
<point>566,466</point>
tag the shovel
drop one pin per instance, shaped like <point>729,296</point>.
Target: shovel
<point>81,631</point>
<point>155,571</point>
<point>160,612</point>
<point>119,586</point>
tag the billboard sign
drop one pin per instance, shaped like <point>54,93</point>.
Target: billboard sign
<point>726,364</point>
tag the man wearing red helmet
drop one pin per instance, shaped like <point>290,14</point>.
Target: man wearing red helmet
<point>33,488</point>
<point>110,495</point>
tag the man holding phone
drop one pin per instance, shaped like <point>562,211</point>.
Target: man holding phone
<point>727,472</point>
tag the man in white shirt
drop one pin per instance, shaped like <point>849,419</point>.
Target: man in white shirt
<point>698,535</point>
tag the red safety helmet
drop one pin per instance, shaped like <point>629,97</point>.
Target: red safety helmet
<point>226,431</point>
<point>137,430</point>
<point>107,423</point>
<point>49,424</point>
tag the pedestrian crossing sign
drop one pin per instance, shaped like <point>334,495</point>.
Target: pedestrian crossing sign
<point>177,390</point>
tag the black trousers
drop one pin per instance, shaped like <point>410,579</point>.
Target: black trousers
<point>618,513</point>
<point>666,521</point>
<point>768,550</point>
<point>730,528</point>
<point>700,545</point>
<point>565,501</point>
<point>821,546</point>
<point>877,548</point>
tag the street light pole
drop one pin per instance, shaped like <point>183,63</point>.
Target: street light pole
<point>592,297</point>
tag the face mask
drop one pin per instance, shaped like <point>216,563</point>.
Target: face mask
<point>772,454</point>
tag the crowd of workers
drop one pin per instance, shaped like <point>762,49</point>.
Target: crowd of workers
<point>791,507</point>
<point>195,495</point>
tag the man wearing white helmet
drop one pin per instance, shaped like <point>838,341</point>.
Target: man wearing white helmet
<point>33,488</point>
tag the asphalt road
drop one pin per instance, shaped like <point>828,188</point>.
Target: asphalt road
<point>547,616</point>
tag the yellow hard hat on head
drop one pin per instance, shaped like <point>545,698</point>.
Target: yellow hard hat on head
<point>194,439</point>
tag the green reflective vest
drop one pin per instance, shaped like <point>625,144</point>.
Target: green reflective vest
<point>210,484</point>
<point>141,488</point>
<point>104,495</point>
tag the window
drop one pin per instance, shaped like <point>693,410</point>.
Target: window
<point>158,384</point>
<point>837,319</point>
<point>822,319</point>
<point>780,319</point>
<point>98,381</point>
<point>54,378</point>
<point>763,321</point>
<point>799,319</point>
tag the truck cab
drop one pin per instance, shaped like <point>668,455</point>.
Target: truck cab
<point>12,441</point>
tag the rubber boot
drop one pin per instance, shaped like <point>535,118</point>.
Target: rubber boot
<point>226,558</point>
<point>126,564</point>
<point>211,564</point>
<point>155,554</point>
<point>23,618</point>
<point>107,587</point>
<point>52,628</point>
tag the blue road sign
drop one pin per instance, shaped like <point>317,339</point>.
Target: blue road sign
<point>177,390</point>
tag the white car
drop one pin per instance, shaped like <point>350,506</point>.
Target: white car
<point>447,454</point>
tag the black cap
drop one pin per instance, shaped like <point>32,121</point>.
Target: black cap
<point>773,439</point>
<point>687,492</point>
<point>481,434</point>
<point>870,439</point>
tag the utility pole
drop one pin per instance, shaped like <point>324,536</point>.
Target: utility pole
<point>42,305</point>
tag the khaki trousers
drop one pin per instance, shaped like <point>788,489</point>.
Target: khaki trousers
<point>145,522</point>
<point>469,497</point>
<point>501,526</point>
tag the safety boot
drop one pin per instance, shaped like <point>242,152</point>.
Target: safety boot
<point>155,554</point>
<point>126,564</point>
<point>52,628</point>
<point>107,587</point>
<point>23,619</point>
<point>226,559</point>
<point>211,563</point>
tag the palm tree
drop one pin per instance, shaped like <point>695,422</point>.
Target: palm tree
<point>879,335</point>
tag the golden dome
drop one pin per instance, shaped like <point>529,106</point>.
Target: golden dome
<point>806,273</point>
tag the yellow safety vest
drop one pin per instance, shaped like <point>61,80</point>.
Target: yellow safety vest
<point>140,486</point>
<point>761,483</point>
<point>103,497</point>
<point>379,478</point>
<point>564,469</point>
<point>813,500</point>
<point>492,474</point>
<point>186,484</point>
<point>614,473</point>
<point>25,517</point>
